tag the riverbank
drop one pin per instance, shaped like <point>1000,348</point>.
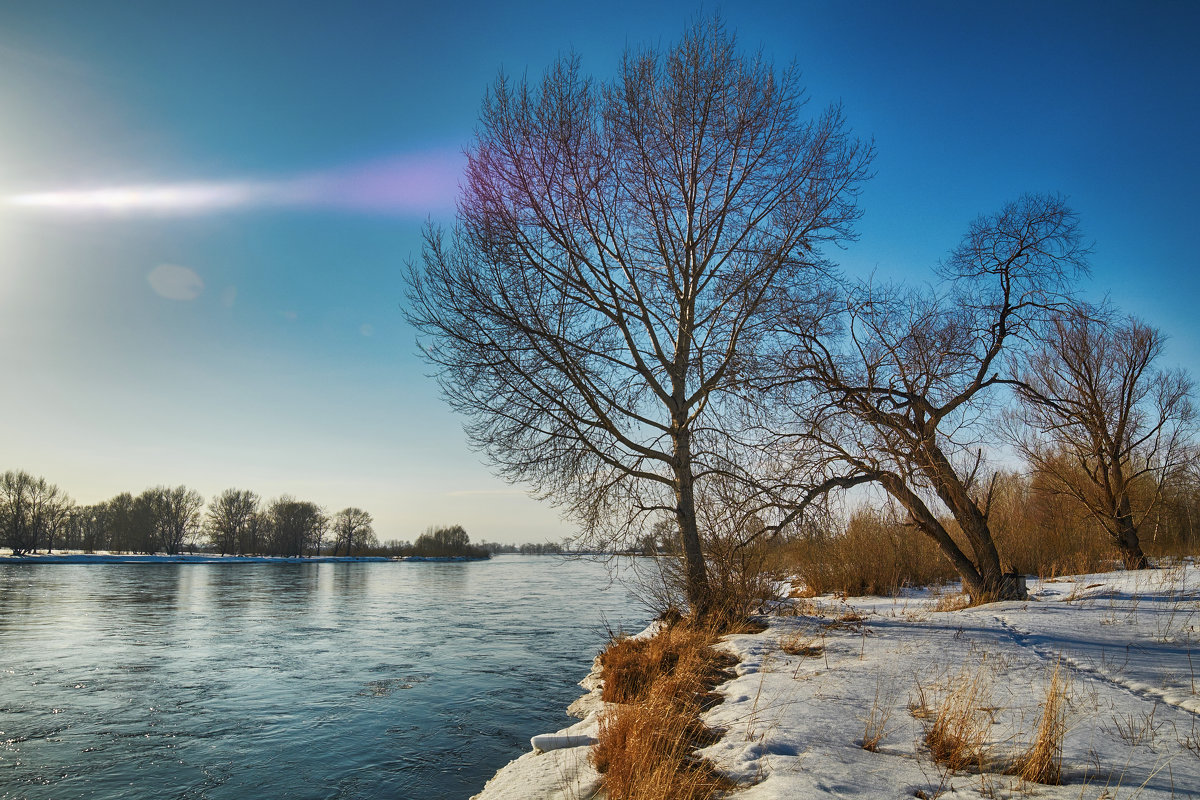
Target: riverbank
<point>836,697</point>
<point>182,558</point>
<point>208,558</point>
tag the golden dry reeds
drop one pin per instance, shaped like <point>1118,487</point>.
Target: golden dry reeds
<point>874,555</point>
<point>959,729</point>
<point>660,685</point>
<point>1042,762</point>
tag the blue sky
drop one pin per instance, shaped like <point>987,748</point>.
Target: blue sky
<point>205,209</point>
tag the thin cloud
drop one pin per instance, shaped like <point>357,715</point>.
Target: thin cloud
<point>175,282</point>
<point>404,185</point>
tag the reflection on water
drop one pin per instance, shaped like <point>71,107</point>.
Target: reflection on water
<point>362,680</point>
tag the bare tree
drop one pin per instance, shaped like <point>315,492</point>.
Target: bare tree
<point>905,397</point>
<point>130,523</point>
<point>618,247</point>
<point>174,514</point>
<point>352,528</point>
<point>1096,416</point>
<point>32,511</point>
<point>297,527</point>
<point>446,542</point>
<point>230,517</point>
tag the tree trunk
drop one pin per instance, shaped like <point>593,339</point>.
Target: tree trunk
<point>695,572</point>
<point>928,524</point>
<point>1126,538</point>
<point>994,584</point>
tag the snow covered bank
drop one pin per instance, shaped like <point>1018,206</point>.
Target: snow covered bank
<point>807,688</point>
<point>111,558</point>
<point>794,723</point>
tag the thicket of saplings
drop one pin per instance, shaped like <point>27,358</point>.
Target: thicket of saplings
<point>36,515</point>
<point>1038,531</point>
<point>875,550</point>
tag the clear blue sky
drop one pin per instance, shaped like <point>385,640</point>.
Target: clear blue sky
<point>205,208</point>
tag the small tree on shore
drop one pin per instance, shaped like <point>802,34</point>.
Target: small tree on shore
<point>174,517</point>
<point>32,511</point>
<point>352,529</point>
<point>452,541</point>
<point>297,527</point>
<point>230,517</point>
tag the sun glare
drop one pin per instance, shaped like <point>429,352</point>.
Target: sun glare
<point>405,185</point>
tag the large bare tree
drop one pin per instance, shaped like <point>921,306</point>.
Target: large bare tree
<point>1097,416</point>
<point>296,527</point>
<point>905,396</point>
<point>174,512</point>
<point>618,247</point>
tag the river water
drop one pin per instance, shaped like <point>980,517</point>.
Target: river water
<point>232,682</point>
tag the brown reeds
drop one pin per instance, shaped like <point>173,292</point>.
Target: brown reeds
<point>874,555</point>
<point>661,685</point>
<point>1042,762</point>
<point>959,729</point>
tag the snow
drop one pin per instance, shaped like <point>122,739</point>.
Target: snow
<point>793,724</point>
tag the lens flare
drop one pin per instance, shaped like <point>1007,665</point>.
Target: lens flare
<point>405,185</point>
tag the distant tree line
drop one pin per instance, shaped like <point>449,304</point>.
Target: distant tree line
<point>528,548</point>
<point>36,515</point>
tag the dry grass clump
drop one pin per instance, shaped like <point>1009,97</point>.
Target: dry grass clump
<point>1042,762</point>
<point>662,684</point>
<point>952,602</point>
<point>802,644</point>
<point>875,725</point>
<point>957,727</point>
<point>960,723</point>
<point>645,752</point>
<point>680,658</point>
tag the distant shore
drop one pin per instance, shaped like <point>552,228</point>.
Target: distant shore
<point>205,558</point>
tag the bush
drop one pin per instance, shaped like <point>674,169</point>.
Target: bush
<point>451,542</point>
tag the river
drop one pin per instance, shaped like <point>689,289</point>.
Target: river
<point>228,682</point>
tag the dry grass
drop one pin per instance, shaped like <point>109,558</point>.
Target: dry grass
<point>1042,762</point>
<point>662,685</point>
<point>959,723</point>
<point>874,555</point>
<point>959,729</point>
<point>875,725</point>
<point>952,602</point>
<point>801,644</point>
<point>645,753</point>
<point>679,658</point>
